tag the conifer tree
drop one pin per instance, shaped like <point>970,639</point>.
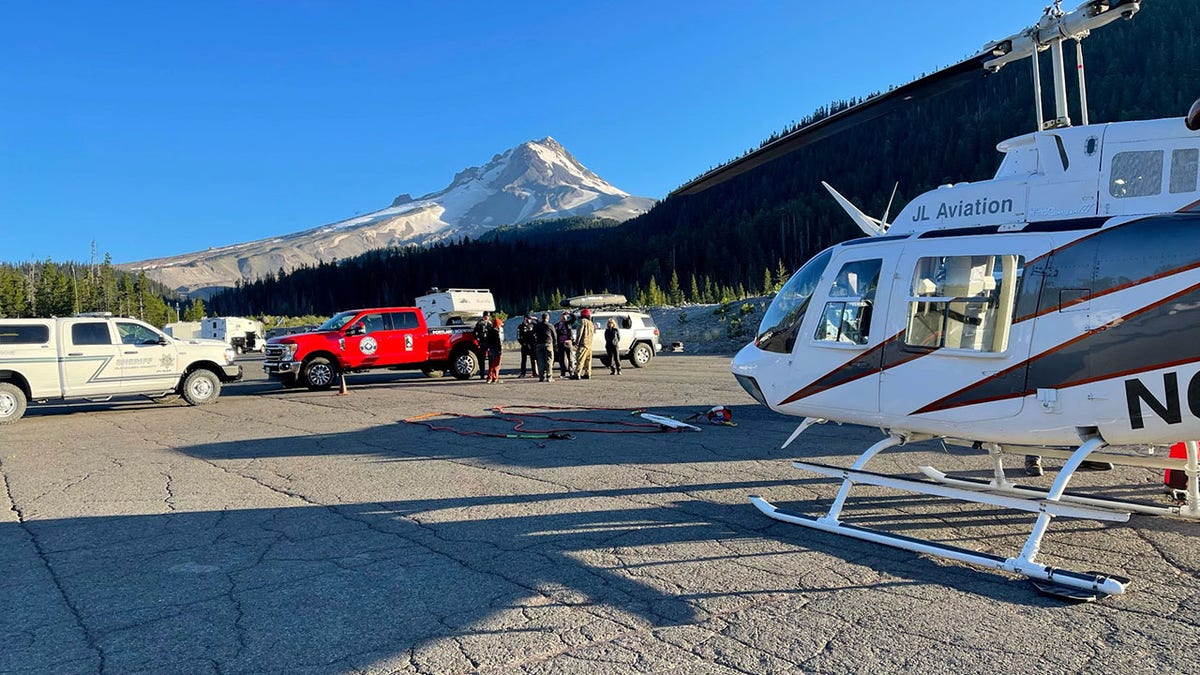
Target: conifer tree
<point>674,292</point>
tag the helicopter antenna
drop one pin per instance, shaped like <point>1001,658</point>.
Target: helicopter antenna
<point>1054,28</point>
<point>886,212</point>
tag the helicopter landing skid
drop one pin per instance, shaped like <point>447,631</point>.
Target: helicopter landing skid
<point>1049,504</point>
<point>1038,493</point>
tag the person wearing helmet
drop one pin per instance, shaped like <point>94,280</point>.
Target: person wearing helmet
<point>583,341</point>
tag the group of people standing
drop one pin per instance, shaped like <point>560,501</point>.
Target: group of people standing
<point>543,343</point>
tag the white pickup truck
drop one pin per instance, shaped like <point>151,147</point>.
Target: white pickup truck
<point>98,357</point>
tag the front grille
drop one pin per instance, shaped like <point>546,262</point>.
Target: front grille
<point>273,354</point>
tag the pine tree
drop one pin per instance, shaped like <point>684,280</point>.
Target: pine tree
<point>781,275</point>
<point>654,294</point>
<point>695,292</point>
<point>674,292</point>
<point>195,311</point>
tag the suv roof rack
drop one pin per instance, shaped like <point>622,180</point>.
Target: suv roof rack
<point>596,300</point>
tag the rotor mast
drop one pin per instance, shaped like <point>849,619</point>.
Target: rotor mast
<point>1054,28</point>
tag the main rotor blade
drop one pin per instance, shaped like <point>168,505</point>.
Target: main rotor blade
<point>883,104</point>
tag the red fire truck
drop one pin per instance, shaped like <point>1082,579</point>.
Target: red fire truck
<point>365,339</point>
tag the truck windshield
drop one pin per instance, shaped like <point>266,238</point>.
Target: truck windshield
<point>337,321</point>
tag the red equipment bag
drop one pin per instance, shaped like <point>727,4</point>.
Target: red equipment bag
<point>1176,480</point>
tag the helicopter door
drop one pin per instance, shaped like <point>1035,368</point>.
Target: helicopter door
<point>957,355</point>
<point>844,337</point>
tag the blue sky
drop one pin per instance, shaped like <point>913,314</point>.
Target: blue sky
<point>158,128</point>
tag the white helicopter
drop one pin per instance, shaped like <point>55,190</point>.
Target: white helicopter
<point>1053,310</point>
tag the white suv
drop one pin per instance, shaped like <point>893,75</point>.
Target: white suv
<point>639,340</point>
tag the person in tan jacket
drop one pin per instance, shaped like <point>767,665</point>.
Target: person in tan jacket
<point>583,342</point>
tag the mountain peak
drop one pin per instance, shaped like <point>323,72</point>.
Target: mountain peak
<point>536,180</point>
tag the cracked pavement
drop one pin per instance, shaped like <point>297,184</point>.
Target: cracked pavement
<point>283,530</point>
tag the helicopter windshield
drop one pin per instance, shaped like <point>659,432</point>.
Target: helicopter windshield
<point>781,323</point>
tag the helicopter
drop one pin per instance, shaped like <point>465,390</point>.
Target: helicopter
<point>1036,313</point>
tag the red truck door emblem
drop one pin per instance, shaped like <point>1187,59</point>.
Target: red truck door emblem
<point>368,345</point>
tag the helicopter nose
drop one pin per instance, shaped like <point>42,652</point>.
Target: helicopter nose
<point>753,368</point>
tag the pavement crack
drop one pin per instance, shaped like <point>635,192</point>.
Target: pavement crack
<point>88,635</point>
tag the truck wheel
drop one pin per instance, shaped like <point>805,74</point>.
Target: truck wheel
<point>319,373</point>
<point>433,372</point>
<point>642,353</point>
<point>12,403</point>
<point>465,365</point>
<point>607,362</point>
<point>200,387</point>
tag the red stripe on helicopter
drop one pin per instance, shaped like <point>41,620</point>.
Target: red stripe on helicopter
<point>885,355</point>
<point>1170,326</point>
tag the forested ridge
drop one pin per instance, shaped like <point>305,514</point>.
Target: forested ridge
<point>43,289</point>
<point>744,236</point>
<point>740,236</point>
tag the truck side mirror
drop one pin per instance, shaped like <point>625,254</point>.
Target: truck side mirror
<point>356,329</point>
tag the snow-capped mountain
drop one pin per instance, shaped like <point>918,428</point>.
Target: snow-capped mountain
<point>534,181</point>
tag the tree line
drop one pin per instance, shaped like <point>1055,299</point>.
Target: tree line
<point>45,289</point>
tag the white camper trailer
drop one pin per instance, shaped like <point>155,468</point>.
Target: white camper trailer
<point>183,330</point>
<point>244,335</point>
<point>455,306</point>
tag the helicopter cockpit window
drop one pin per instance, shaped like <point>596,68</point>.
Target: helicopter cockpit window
<point>963,302</point>
<point>1185,165</point>
<point>781,322</point>
<point>1136,174</point>
<point>847,317</point>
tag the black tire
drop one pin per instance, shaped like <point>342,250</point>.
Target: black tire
<point>464,365</point>
<point>320,373</point>
<point>606,361</point>
<point>200,387</point>
<point>12,403</point>
<point>641,355</point>
<point>433,372</point>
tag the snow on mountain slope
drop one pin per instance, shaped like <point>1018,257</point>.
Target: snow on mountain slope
<point>533,181</point>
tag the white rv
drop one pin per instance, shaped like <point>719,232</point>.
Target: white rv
<point>455,306</point>
<point>244,335</point>
<point>183,330</point>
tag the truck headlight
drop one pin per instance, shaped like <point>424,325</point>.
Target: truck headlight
<point>230,355</point>
<point>289,351</point>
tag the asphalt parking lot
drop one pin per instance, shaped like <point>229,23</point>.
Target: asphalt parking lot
<point>294,531</point>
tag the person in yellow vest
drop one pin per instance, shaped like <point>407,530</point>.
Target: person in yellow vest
<point>583,342</point>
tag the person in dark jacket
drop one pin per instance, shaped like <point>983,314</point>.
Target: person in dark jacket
<point>543,337</point>
<point>612,338</point>
<point>528,344</point>
<point>482,326</point>
<point>495,345</point>
<point>566,346</point>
